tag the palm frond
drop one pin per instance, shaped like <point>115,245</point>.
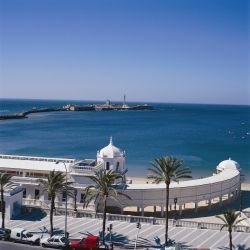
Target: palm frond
<point>221,218</point>
<point>167,169</point>
<point>5,180</point>
<point>103,186</point>
<point>230,219</point>
<point>54,183</point>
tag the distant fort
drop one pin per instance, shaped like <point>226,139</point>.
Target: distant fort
<point>108,106</point>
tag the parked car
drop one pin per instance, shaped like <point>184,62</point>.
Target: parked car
<point>56,241</point>
<point>89,242</point>
<point>22,235</point>
<point>5,234</point>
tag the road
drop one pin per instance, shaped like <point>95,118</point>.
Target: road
<point>124,233</point>
<point>6,245</point>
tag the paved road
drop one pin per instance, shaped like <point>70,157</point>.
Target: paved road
<point>124,233</point>
<point>5,245</point>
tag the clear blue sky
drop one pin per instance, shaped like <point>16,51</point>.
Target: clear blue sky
<point>188,51</point>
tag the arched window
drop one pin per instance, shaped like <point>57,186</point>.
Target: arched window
<point>107,165</point>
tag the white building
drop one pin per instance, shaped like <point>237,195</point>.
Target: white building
<point>27,171</point>
<point>111,158</point>
<point>13,201</point>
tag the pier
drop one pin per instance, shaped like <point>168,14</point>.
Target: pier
<point>108,106</point>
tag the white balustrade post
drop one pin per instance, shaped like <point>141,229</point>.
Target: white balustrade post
<point>196,207</point>
<point>209,204</point>
<point>180,209</point>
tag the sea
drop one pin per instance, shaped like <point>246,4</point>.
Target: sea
<point>200,135</point>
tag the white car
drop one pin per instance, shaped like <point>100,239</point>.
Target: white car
<point>57,241</point>
<point>22,235</point>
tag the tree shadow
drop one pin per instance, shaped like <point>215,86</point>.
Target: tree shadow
<point>238,247</point>
<point>153,244</point>
<point>242,247</point>
<point>123,241</point>
<point>171,243</point>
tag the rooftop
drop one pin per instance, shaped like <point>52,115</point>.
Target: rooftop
<point>34,163</point>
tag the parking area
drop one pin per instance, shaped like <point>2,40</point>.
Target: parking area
<point>124,233</point>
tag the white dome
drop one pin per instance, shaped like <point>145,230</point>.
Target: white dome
<point>111,151</point>
<point>228,164</point>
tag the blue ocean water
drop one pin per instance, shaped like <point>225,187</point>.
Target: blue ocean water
<point>201,135</point>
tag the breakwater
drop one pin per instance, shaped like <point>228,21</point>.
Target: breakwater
<point>14,116</point>
<point>69,107</point>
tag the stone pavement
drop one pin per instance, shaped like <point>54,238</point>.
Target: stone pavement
<point>124,233</point>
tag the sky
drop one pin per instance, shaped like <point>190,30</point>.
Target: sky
<point>180,51</point>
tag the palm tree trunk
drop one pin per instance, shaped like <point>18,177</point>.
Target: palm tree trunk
<point>167,214</point>
<point>104,220</point>
<point>52,204</point>
<point>2,207</point>
<point>230,240</point>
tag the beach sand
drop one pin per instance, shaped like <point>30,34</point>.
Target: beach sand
<point>143,180</point>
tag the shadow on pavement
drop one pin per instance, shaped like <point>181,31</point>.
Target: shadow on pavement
<point>35,215</point>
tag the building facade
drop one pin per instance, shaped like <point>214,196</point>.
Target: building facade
<point>223,184</point>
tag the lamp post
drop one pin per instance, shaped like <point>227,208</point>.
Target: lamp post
<point>138,225</point>
<point>175,202</point>
<point>75,194</point>
<point>241,200</point>
<point>66,201</point>
<point>110,235</point>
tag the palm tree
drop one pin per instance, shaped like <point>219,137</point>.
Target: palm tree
<point>5,182</point>
<point>102,189</point>
<point>167,169</point>
<point>54,185</point>
<point>230,218</point>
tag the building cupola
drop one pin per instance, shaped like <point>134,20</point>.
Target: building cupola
<point>112,157</point>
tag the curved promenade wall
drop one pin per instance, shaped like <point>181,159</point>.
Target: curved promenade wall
<point>226,182</point>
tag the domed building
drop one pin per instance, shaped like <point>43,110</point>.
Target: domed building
<point>225,185</point>
<point>228,164</point>
<point>112,158</point>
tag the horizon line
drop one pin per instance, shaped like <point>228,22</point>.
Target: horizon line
<point>120,101</point>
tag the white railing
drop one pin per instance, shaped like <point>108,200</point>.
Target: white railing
<point>247,213</point>
<point>60,210</point>
<point>45,204</point>
<point>34,158</point>
<point>26,179</point>
<point>36,203</point>
<point>183,223</point>
<point>86,169</point>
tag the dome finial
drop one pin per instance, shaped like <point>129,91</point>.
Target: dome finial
<point>111,140</point>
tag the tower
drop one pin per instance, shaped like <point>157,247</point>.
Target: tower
<point>112,158</point>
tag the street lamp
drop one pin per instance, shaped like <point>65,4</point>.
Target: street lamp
<point>66,201</point>
<point>75,194</point>
<point>110,235</point>
<point>138,225</point>
<point>241,200</point>
<point>175,202</point>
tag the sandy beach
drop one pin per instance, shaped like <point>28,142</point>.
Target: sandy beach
<point>144,180</point>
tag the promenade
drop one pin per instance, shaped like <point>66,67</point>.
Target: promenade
<point>124,233</point>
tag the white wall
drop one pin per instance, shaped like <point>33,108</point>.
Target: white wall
<point>13,202</point>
